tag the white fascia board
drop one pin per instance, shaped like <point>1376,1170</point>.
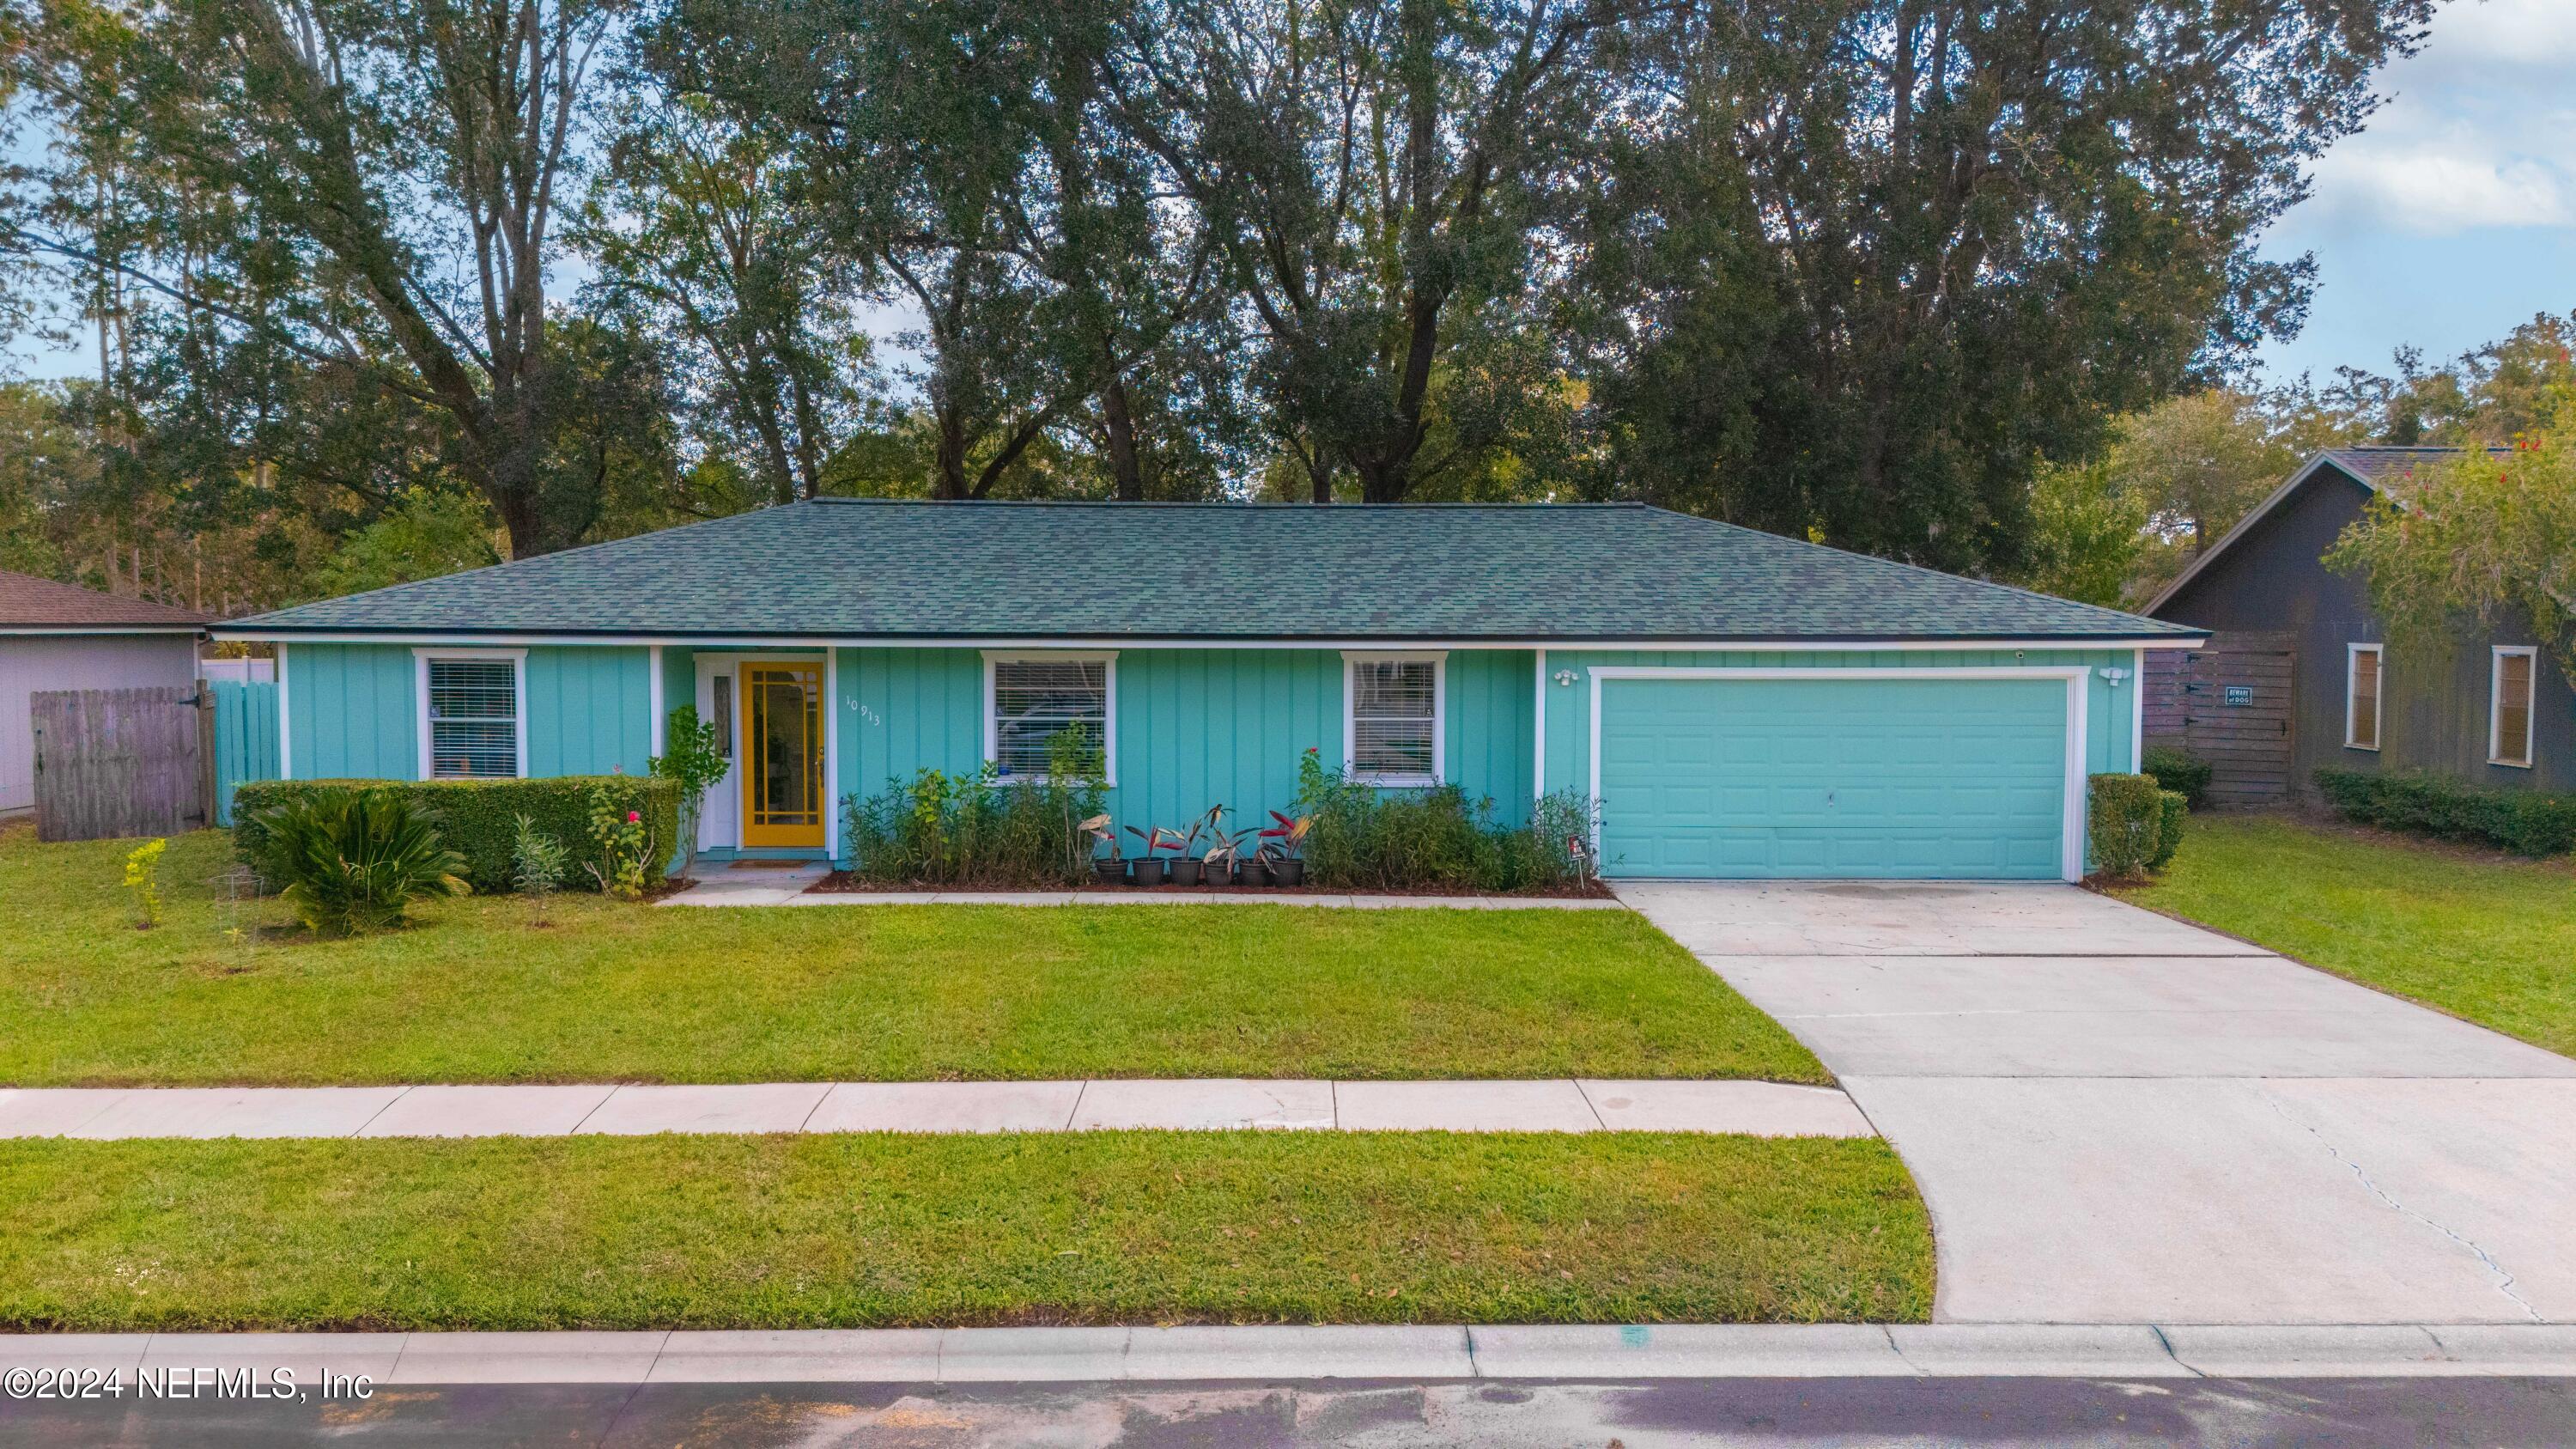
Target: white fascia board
<point>1060,644</point>
<point>7,630</point>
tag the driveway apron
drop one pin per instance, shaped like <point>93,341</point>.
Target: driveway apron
<point>2118,1117</point>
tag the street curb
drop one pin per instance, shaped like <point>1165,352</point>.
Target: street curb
<point>1202,1354</point>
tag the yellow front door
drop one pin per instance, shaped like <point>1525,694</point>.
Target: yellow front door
<point>782,777</point>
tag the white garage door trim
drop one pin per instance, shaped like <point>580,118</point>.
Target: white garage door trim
<point>2071,843</point>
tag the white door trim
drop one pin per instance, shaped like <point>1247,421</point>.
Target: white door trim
<point>711,662</point>
<point>2071,826</point>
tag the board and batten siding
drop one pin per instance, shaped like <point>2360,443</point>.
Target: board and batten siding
<point>2109,708</point>
<point>32,662</point>
<point>590,711</point>
<point>1195,727</point>
<point>353,711</point>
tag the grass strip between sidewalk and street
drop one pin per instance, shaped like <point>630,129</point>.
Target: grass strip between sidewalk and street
<point>888,1231</point>
<point>2482,936</point>
<point>222,993</point>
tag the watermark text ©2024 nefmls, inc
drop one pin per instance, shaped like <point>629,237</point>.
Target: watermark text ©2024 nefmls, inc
<point>180,1383</point>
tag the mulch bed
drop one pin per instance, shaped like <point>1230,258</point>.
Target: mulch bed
<point>843,883</point>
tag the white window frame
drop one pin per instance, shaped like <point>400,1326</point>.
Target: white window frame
<point>1109,722</point>
<point>2530,706</point>
<point>1439,662</point>
<point>2378,698</point>
<point>420,659</point>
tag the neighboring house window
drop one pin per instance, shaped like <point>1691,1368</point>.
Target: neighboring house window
<point>472,722</point>
<point>2509,705</point>
<point>1031,698</point>
<point>2361,697</point>
<point>1391,718</point>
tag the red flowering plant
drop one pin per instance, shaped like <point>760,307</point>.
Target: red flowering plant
<point>623,845</point>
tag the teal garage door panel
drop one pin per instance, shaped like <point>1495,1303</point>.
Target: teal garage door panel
<point>1959,779</point>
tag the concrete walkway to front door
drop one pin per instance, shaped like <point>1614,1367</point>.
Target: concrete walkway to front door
<point>2117,1117</point>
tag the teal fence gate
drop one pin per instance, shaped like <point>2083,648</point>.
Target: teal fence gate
<point>245,739</point>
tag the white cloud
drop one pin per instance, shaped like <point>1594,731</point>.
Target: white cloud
<point>2474,37</point>
<point>2477,131</point>
<point>2440,186</point>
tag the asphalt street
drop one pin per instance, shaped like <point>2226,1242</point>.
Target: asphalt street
<point>2483,1411</point>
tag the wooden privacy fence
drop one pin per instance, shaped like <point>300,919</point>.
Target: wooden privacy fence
<point>112,763</point>
<point>2233,705</point>
<point>245,737</point>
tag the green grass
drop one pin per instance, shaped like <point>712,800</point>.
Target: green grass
<point>881,1231</point>
<point>224,992</point>
<point>2488,938</point>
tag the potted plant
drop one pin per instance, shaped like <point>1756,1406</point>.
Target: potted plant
<point>1253,869</point>
<point>1185,869</point>
<point>1279,846</point>
<point>1105,869</point>
<point>1223,856</point>
<point>1149,866</point>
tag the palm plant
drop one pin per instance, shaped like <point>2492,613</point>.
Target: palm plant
<point>355,860</point>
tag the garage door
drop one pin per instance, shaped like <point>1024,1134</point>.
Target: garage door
<point>1843,777</point>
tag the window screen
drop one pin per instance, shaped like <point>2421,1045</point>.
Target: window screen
<point>1034,699</point>
<point>2362,708</point>
<point>1394,713</point>
<point>2513,709</point>
<point>473,719</point>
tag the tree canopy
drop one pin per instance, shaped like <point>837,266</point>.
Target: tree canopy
<point>1873,272</point>
<point>2491,534</point>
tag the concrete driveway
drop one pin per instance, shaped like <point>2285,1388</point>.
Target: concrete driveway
<point>2116,1117</point>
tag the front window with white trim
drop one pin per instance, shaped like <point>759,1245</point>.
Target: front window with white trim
<point>1391,718</point>
<point>471,717</point>
<point>2361,697</point>
<point>2510,686</point>
<point>1030,699</point>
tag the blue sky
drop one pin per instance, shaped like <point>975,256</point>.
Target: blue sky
<point>2447,221</point>
<point>2452,216</point>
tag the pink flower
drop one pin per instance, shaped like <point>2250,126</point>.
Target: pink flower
<point>632,817</point>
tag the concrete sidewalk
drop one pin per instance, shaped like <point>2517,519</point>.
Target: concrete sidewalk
<point>770,885</point>
<point>1216,1353</point>
<point>1762,1109</point>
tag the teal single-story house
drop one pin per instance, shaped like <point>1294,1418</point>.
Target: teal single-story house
<point>1735,703</point>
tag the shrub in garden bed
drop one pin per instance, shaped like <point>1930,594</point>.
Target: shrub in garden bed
<point>479,819</point>
<point>2182,773</point>
<point>980,830</point>
<point>1367,838</point>
<point>2526,822</point>
<point>351,860</point>
<point>2133,827</point>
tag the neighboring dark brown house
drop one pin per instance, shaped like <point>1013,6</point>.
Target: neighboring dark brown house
<point>2298,675</point>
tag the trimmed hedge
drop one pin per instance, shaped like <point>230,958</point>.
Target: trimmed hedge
<point>2177,771</point>
<point>2526,822</point>
<point>2133,826</point>
<point>478,819</point>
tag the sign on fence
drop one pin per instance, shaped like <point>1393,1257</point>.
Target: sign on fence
<point>115,763</point>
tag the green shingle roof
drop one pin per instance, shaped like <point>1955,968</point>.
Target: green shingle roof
<point>848,568</point>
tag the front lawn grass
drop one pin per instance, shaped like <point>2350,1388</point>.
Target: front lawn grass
<point>886,1231</point>
<point>2486,937</point>
<point>488,990</point>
